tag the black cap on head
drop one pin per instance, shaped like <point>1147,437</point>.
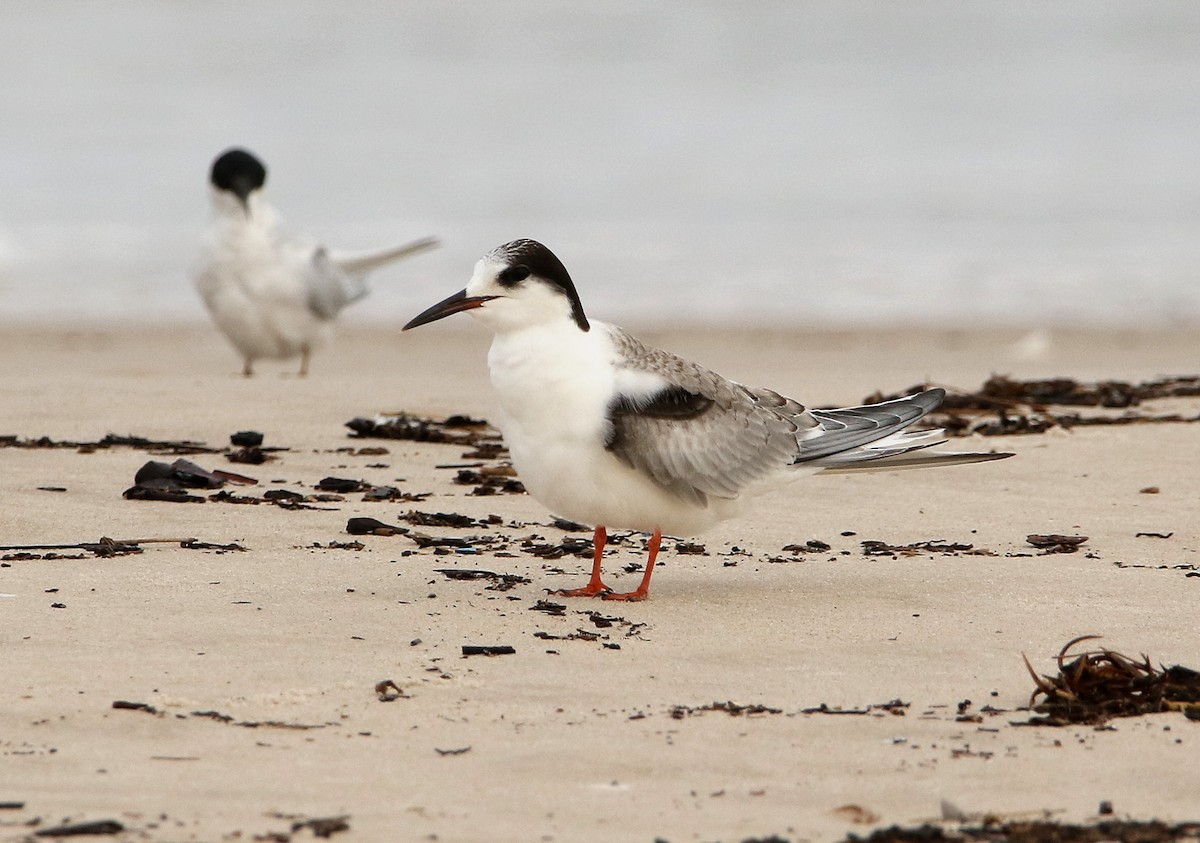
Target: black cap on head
<point>239,172</point>
<point>532,256</point>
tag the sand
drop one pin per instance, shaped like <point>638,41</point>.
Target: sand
<point>601,736</point>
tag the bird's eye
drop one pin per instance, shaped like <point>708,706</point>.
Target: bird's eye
<point>510,276</point>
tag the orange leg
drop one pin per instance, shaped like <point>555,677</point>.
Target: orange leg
<point>595,584</point>
<point>643,590</point>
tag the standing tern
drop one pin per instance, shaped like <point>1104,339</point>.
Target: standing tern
<point>274,297</point>
<point>611,432</point>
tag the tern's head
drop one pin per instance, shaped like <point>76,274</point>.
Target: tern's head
<point>236,175</point>
<point>517,285</point>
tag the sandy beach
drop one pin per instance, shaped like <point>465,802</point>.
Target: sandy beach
<point>252,673</point>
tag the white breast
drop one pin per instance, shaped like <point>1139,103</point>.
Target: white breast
<point>555,384</point>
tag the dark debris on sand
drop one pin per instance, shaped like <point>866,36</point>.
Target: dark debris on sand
<point>1038,831</point>
<point>160,481</point>
<point>1101,684</point>
<point>1006,406</point>
<point>453,430</point>
<point>1055,543</point>
<point>679,712</point>
<point>112,440</point>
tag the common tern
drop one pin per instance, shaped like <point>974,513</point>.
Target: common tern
<point>271,296</point>
<point>608,431</point>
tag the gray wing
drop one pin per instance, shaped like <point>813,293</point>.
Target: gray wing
<point>700,435</point>
<point>329,287</point>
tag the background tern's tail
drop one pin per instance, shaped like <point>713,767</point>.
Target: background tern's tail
<point>874,438</point>
<point>365,262</point>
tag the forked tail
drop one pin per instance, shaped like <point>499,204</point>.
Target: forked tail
<point>874,438</point>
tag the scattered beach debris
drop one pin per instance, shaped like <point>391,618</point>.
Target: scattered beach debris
<point>1098,685</point>
<point>107,547</point>
<point>246,439</point>
<point>323,827</point>
<point>127,705</point>
<point>487,650</point>
<point>810,546</point>
<point>194,544</point>
<point>895,707</point>
<point>372,527</point>
<point>500,582</point>
<point>389,691</point>
<point>439,519</point>
<point>181,447</point>
<point>678,712</point>
<point>872,547</point>
<point>1055,543</point>
<point>257,724</point>
<point>569,546</point>
<point>341,486</point>
<point>92,829</point>
<point>992,830</point>
<point>453,430</point>
<point>247,448</point>
<point>552,609</point>
<point>160,481</point>
<point>459,751</point>
<point>376,494</point>
<point>1005,406</point>
<point>491,480</point>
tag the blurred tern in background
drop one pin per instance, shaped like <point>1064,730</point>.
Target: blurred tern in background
<point>273,297</point>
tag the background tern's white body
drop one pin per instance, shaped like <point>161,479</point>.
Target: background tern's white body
<point>273,297</point>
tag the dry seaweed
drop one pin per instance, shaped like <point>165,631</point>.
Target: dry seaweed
<point>90,829</point>
<point>991,830</point>
<point>569,546</point>
<point>500,582</point>
<point>552,609</point>
<point>112,440</point>
<point>873,547</point>
<point>678,712</point>
<point>1099,685</point>
<point>439,519</point>
<point>324,826</point>
<point>160,481</point>
<point>1055,543</point>
<point>897,707</point>
<point>487,650</point>
<point>454,430</point>
<point>372,527</point>
<point>1006,406</point>
<point>491,480</point>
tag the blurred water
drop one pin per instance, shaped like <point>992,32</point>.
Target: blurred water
<point>761,161</point>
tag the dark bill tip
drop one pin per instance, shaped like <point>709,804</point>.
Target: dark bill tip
<point>447,307</point>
